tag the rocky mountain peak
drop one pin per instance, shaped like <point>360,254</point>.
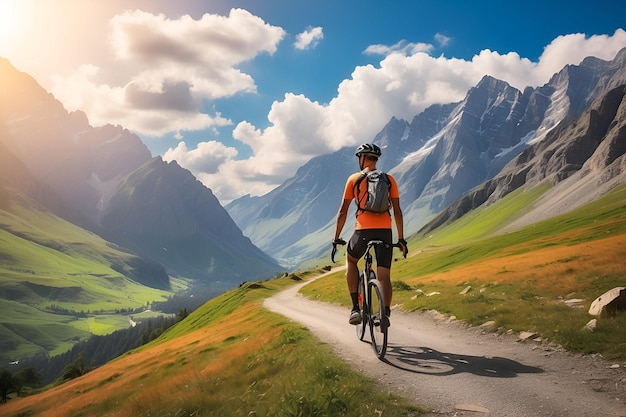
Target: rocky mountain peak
<point>451,153</point>
<point>105,180</point>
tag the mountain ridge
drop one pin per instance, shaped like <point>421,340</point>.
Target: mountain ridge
<point>162,214</point>
<point>442,155</point>
<point>92,224</point>
<point>86,167</point>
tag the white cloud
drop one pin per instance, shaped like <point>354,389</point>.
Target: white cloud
<point>403,47</point>
<point>402,85</point>
<point>207,157</point>
<point>167,68</point>
<point>442,40</point>
<point>309,38</point>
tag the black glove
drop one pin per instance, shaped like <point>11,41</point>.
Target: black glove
<point>404,247</point>
<point>336,242</point>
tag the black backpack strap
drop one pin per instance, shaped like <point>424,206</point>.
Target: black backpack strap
<point>389,185</point>
<point>357,189</point>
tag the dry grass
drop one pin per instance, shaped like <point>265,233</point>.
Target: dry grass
<point>157,373</point>
<point>250,362</point>
<point>520,286</point>
<point>557,270</point>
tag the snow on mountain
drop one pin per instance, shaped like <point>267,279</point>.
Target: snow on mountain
<point>437,158</point>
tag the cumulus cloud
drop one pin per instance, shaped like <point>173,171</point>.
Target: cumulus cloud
<point>166,70</point>
<point>168,67</point>
<point>402,85</point>
<point>403,47</point>
<point>309,38</point>
<point>206,158</point>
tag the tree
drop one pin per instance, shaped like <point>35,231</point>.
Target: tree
<point>26,377</point>
<point>182,313</point>
<point>7,384</point>
<point>77,368</point>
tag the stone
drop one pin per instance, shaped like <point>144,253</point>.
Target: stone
<point>611,301</point>
<point>523,336</point>
<point>471,407</point>
<point>488,324</point>
<point>591,325</point>
<point>418,293</point>
<point>466,290</point>
<point>574,303</point>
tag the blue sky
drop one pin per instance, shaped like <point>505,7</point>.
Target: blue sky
<point>242,93</point>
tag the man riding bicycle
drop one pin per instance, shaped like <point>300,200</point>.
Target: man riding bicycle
<point>369,226</point>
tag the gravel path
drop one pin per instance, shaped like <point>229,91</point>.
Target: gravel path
<point>457,370</point>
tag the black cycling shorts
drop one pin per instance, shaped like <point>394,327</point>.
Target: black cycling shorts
<point>358,245</point>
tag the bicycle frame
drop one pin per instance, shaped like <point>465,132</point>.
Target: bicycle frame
<point>370,299</point>
<point>371,303</point>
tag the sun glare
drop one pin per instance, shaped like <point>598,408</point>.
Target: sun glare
<point>9,14</point>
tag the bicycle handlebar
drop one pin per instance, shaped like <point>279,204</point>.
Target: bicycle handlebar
<point>334,251</point>
<point>369,244</point>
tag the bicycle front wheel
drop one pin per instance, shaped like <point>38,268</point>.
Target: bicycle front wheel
<point>377,319</point>
<point>360,328</point>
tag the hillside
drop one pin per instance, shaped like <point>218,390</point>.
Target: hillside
<point>518,279</point>
<point>105,180</point>
<point>56,278</point>
<point>68,216</point>
<point>232,356</point>
<point>91,223</point>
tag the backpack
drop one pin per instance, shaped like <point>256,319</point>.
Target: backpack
<point>376,199</point>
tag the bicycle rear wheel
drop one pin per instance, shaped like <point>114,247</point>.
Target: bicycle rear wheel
<point>377,319</point>
<point>360,328</point>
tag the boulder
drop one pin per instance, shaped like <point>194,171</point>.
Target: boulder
<point>609,302</point>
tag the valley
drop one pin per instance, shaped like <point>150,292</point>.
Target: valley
<point>514,204</point>
<point>234,356</point>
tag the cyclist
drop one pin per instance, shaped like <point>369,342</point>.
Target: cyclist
<point>369,226</point>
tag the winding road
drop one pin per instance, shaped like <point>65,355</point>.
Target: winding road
<point>457,370</point>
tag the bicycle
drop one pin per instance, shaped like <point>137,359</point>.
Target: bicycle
<point>371,302</point>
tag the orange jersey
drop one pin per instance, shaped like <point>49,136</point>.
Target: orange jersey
<point>367,219</point>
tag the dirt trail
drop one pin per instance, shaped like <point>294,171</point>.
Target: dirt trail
<point>458,370</point>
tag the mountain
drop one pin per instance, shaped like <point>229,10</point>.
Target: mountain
<point>281,220</point>
<point>441,155</point>
<point>581,160</point>
<point>162,210</point>
<point>105,180</point>
<point>92,224</point>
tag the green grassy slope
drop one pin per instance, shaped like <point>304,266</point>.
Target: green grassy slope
<point>51,272</point>
<point>231,357</point>
<point>519,279</point>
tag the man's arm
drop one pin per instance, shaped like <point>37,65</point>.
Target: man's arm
<point>342,215</point>
<point>397,216</point>
<point>399,219</point>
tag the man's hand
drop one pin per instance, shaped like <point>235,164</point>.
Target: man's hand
<point>338,241</point>
<point>403,247</point>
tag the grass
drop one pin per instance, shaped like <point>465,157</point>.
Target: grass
<point>230,357</point>
<point>46,264</point>
<point>518,279</point>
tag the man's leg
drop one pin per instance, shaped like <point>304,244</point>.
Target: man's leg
<point>352,273</point>
<point>352,278</point>
<point>384,276</point>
